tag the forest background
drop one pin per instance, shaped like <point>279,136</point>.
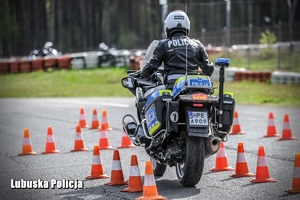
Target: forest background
<point>80,25</point>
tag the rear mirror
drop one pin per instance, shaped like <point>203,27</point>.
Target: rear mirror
<point>128,82</point>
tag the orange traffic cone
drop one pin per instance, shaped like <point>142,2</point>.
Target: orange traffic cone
<point>103,140</point>
<point>150,189</point>
<point>236,128</point>
<point>95,121</point>
<point>50,143</point>
<point>125,142</point>
<point>221,160</point>
<point>104,121</point>
<point>296,177</point>
<point>262,170</point>
<point>78,143</point>
<point>27,147</point>
<point>286,131</point>
<point>117,177</point>
<point>97,171</point>
<point>135,180</point>
<point>241,168</point>
<point>82,120</point>
<point>271,131</point>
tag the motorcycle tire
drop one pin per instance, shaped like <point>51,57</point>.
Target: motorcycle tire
<point>158,169</point>
<point>189,173</point>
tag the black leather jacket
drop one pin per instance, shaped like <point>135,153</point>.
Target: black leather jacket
<point>178,52</point>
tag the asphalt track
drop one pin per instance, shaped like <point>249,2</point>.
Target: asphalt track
<point>62,114</point>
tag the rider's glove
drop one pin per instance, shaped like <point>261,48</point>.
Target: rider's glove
<point>136,74</point>
<point>154,75</point>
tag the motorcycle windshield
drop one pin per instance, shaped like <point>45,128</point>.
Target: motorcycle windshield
<point>149,53</point>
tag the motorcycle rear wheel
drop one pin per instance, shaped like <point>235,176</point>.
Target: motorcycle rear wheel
<point>158,169</point>
<point>189,173</point>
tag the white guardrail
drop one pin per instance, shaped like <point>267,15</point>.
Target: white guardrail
<point>229,73</point>
<point>94,59</point>
<point>277,77</point>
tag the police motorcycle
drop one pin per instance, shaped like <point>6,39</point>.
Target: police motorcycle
<point>46,51</point>
<point>34,54</point>
<point>181,127</point>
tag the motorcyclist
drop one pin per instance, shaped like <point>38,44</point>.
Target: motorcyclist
<point>178,52</point>
<point>48,50</point>
<point>103,47</point>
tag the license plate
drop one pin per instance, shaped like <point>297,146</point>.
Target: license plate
<point>198,118</point>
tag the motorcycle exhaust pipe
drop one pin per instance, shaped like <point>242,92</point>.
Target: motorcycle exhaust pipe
<point>212,145</point>
<point>215,144</point>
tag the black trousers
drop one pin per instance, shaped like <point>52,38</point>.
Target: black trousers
<point>170,84</point>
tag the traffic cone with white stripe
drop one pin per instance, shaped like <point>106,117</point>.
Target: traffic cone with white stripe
<point>271,131</point>
<point>117,177</point>
<point>150,189</point>
<point>262,169</point>
<point>50,143</point>
<point>97,171</point>
<point>241,168</point>
<point>103,140</point>
<point>104,121</point>
<point>27,147</point>
<point>236,127</point>
<point>221,160</point>
<point>296,177</point>
<point>82,120</point>
<point>125,142</point>
<point>135,180</point>
<point>286,131</point>
<point>78,143</point>
<point>95,121</point>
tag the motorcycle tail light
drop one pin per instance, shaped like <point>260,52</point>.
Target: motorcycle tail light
<point>198,105</point>
<point>199,96</point>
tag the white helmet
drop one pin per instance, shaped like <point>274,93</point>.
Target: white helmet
<point>48,45</point>
<point>177,21</point>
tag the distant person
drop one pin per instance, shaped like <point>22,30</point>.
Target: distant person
<point>113,48</point>
<point>103,47</point>
<point>48,50</point>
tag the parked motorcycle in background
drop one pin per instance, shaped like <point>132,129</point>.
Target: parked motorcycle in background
<point>47,51</point>
<point>112,56</point>
<point>103,47</point>
<point>34,54</point>
<point>181,127</point>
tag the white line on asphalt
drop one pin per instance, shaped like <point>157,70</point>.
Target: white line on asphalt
<point>67,101</point>
<point>95,103</point>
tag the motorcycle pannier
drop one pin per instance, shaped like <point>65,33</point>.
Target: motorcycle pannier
<point>155,110</point>
<point>228,112</point>
<point>172,116</point>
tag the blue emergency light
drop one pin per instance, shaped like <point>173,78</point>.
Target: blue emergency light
<point>222,62</point>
